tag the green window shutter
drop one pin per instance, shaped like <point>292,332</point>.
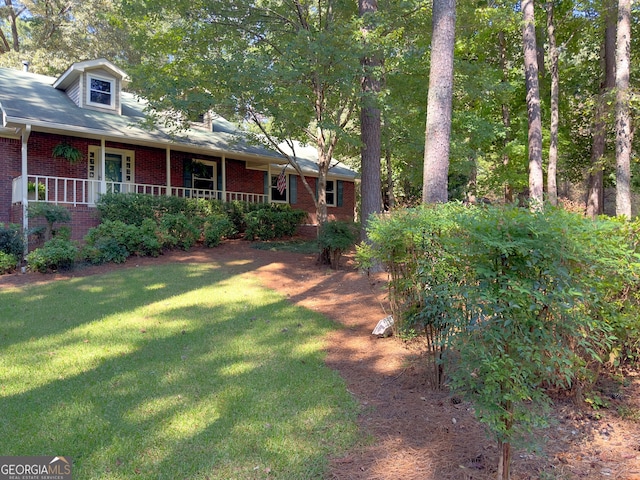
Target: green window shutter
<point>293,189</point>
<point>186,173</point>
<point>339,193</point>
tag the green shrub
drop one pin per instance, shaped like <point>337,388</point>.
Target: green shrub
<point>519,301</point>
<point>11,240</point>
<point>272,221</point>
<point>178,231</point>
<point>8,262</point>
<point>148,243</point>
<point>216,228</point>
<point>237,212</point>
<point>55,254</point>
<point>134,208</point>
<point>408,245</point>
<point>124,234</point>
<point>52,214</point>
<point>334,238</point>
<point>127,208</point>
<point>105,250</point>
<point>115,241</point>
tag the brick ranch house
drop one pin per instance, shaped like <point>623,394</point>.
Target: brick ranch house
<point>87,109</point>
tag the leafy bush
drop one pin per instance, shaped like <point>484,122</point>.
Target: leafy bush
<point>115,241</point>
<point>134,208</point>
<point>178,231</point>
<point>179,218</point>
<point>11,240</point>
<point>148,243</point>
<point>408,244</point>
<point>55,254</point>
<point>238,211</point>
<point>272,221</point>
<point>105,250</point>
<point>216,228</point>
<point>519,301</point>
<point>51,213</point>
<point>334,238</point>
<point>8,262</point>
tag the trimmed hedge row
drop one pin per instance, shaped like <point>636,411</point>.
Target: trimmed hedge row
<point>144,225</point>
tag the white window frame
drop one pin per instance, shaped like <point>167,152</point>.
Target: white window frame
<point>274,188</point>
<point>111,81</point>
<point>214,178</point>
<point>334,192</point>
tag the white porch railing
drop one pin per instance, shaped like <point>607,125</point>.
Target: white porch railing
<point>74,191</point>
<point>78,191</point>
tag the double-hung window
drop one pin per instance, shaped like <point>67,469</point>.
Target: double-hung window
<point>101,91</point>
<point>331,193</point>
<point>204,175</point>
<point>276,195</point>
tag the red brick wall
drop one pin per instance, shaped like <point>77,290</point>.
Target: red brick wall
<point>239,179</point>
<point>305,201</point>
<point>41,162</point>
<point>10,166</point>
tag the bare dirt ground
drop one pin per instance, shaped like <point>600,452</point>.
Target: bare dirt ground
<point>409,430</point>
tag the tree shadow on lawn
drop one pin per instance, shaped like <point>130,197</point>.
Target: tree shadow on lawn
<point>22,309</point>
<point>169,400</point>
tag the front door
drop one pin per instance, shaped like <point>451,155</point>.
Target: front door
<point>113,171</point>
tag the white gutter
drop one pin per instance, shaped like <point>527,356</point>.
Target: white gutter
<point>223,187</point>
<point>26,131</point>
<point>131,138</point>
<point>168,160</point>
<point>103,174</point>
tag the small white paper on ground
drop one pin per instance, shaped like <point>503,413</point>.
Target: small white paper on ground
<point>384,327</point>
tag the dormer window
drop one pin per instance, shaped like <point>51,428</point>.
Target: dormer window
<point>101,91</point>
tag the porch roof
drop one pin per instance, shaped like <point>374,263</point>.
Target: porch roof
<point>29,98</point>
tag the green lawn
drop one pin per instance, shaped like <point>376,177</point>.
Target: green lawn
<point>169,372</point>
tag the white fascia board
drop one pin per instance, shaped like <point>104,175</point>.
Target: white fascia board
<point>61,129</point>
<point>277,167</point>
<point>77,69</point>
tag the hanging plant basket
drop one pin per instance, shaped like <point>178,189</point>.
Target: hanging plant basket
<point>68,152</point>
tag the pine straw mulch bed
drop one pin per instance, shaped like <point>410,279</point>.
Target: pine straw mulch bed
<point>409,430</point>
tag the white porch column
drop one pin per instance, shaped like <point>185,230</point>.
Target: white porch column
<point>223,187</point>
<point>103,156</point>
<point>26,131</point>
<point>268,192</point>
<point>168,162</point>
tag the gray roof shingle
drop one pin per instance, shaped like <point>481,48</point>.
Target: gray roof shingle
<point>29,98</point>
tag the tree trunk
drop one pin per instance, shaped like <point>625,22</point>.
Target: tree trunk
<point>595,187</point>
<point>504,461</point>
<point>504,445</point>
<point>371,186</point>
<point>438,128</point>
<point>552,187</point>
<point>14,27</point>
<point>506,116</point>
<point>4,44</point>
<point>533,105</point>
<point>623,117</point>
<point>323,168</point>
<point>390,195</point>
